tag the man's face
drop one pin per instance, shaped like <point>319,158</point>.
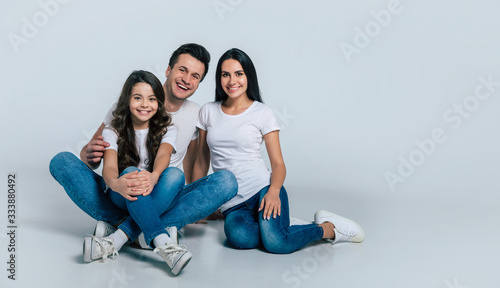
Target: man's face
<point>183,79</point>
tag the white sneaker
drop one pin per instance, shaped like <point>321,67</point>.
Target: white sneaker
<point>176,256</point>
<point>346,230</point>
<point>96,248</point>
<point>172,232</point>
<point>103,229</point>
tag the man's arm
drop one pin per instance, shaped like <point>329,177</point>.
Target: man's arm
<point>92,153</point>
<point>189,159</point>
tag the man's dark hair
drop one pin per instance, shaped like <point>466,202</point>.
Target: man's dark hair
<point>197,51</point>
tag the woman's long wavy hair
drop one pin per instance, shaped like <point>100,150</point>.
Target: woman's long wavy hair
<point>122,122</point>
<point>253,91</point>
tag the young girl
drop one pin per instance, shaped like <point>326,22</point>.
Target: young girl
<point>231,133</point>
<point>135,170</point>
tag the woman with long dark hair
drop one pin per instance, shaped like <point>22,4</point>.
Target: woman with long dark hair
<point>232,130</point>
<point>141,144</point>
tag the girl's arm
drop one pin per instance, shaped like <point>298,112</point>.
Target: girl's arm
<point>271,202</point>
<point>202,162</point>
<point>122,185</point>
<point>162,161</point>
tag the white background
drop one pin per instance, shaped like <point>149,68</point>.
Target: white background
<point>347,119</point>
<point>345,123</point>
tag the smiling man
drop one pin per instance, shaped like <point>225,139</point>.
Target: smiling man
<point>187,68</point>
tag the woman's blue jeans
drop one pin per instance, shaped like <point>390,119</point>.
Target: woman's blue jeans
<point>146,210</point>
<point>245,228</point>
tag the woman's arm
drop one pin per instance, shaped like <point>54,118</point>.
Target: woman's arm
<point>271,202</point>
<point>202,162</point>
<point>189,159</point>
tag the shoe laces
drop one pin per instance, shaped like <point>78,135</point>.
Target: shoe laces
<point>105,245</point>
<point>170,250</point>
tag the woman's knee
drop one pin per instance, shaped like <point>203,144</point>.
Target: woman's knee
<point>275,244</point>
<point>241,235</point>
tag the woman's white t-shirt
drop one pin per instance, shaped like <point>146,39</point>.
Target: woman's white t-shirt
<point>110,136</point>
<point>235,142</point>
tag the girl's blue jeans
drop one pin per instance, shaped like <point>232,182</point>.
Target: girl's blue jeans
<point>146,210</point>
<point>245,228</point>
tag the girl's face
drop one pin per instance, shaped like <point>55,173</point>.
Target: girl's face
<point>143,105</point>
<point>233,79</point>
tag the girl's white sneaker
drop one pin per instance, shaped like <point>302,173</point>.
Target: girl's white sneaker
<point>103,229</point>
<point>96,248</point>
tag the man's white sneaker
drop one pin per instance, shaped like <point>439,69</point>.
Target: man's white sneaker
<point>96,248</point>
<point>346,230</point>
<point>103,229</point>
<point>176,256</point>
<point>172,232</point>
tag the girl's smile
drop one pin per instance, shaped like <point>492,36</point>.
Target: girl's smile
<point>143,105</point>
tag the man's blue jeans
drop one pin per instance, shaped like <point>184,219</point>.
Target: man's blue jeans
<point>88,191</point>
<point>245,228</point>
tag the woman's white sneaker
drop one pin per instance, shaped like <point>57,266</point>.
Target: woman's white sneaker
<point>346,230</point>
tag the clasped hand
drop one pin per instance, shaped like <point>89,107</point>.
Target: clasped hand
<point>136,183</point>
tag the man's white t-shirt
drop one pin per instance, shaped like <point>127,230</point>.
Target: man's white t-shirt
<point>110,136</point>
<point>235,142</point>
<point>185,120</point>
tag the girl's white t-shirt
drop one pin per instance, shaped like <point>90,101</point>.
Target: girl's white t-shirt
<point>184,120</point>
<point>110,136</point>
<point>235,142</point>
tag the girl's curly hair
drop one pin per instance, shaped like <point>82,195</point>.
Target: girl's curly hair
<point>122,122</point>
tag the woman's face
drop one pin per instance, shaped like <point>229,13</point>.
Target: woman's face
<point>143,105</point>
<point>233,79</point>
